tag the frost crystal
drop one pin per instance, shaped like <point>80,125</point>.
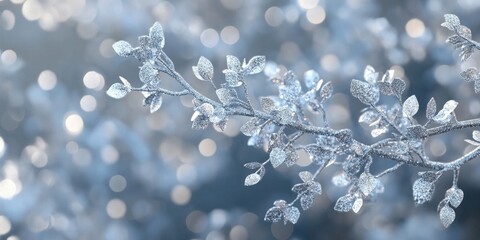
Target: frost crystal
<point>277,157</point>
<point>345,203</point>
<point>367,183</point>
<point>454,196</point>
<point>410,106</point>
<point>447,216</point>
<point>203,70</point>
<point>422,191</point>
<point>118,90</point>
<point>122,48</point>
<point>252,179</point>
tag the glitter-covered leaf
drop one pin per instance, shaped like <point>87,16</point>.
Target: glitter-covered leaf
<point>410,106</point>
<point>326,91</point>
<point>226,95</point>
<point>454,196</point>
<point>154,102</point>
<point>398,87</point>
<point>118,90</point>
<point>250,127</point>
<point>204,69</point>
<point>366,183</point>
<point>274,214</point>
<point>364,92</point>
<point>277,157</point>
<point>357,205</point>
<point>431,108</point>
<point>451,22</point>
<point>267,104</point>
<point>471,74</point>
<point>345,203</point>
<point>422,190</point>
<point>447,216</point>
<point>147,73</point>
<point>291,214</point>
<point>122,48</point>
<point>252,179</point>
<point>255,65</point>
<point>156,35</point>
<point>444,115</point>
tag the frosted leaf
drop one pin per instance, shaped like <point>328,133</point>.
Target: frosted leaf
<point>398,87</point>
<point>255,65</point>
<point>274,214</point>
<point>156,35</point>
<point>357,205</point>
<point>367,183</point>
<point>443,116</point>
<point>326,91</point>
<point>300,188</point>
<point>277,157</point>
<point>118,90</point>
<point>352,165</point>
<point>385,88</point>
<point>233,78</point>
<point>292,156</point>
<point>199,121</point>
<point>341,180</point>
<point>364,92</point>
<point>431,108</point>
<point>250,127</point>
<point>233,63</point>
<point>451,22</point>
<point>410,106</point>
<point>306,201</point>
<point>454,39</point>
<point>417,131</point>
<point>252,179</point>
<point>447,216</point>
<point>319,155</point>
<point>291,214</point>
<point>315,187</point>
<point>306,176</point>
<point>284,115</point>
<point>368,117</point>
<point>203,70</point>
<point>454,196</point>
<point>345,203</point>
<point>252,165</point>
<point>206,109</point>
<point>465,32</point>
<point>122,48</point>
<point>370,75</point>
<point>226,95</point>
<point>471,74</point>
<point>476,135</point>
<point>311,78</point>
<point>388,76</point>
<point>219,115</point>
<point>422,190</point>
<point>154,101</point>
<point>147,73</point>
<point>290,92</point>
<point>125,82</point>
<point>267,104</point>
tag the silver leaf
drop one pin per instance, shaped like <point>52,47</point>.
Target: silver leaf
<point>118,90</point>
<point>447,216</point>
<point>122,48</point>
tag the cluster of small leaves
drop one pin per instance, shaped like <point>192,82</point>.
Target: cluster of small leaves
<point>268,127</point>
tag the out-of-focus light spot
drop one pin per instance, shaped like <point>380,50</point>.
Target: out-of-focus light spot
<point>106,49</point>
<point>3,147</point>
<point>274,16</point>
<point>186,173</point>
<point>94,80</point>
<point>37,157</point>
<point>330,62</point>
<point>291,14</point>
<point>230,35</point>
<point>232,4</point>
<point>117,183</point>
<point>116,208</point>
<point>71,147</point>
<point>32,10</point>
<point>5,225</point>
<point>88,103</point>
<point>215,235</point>
<point>443,74</point>
<point>437,148</point>
<point>415,28</point>
<point>196,222</point>
<point>207,147</point>
<point>303,159</point>
<point>47,80</point>
<point>74,124</point>
<point>48,22</point>
<point>289,51</point>
<point>13,238</point>
<point>109,154</point>
<point>7,20</point>
<point>232,129</point>
<point>474,107</point>
<point>8,57</point>
<point>218,218</point>
<point>8,189</point>
<point>238,232</point>
<point>209,38</point>
<point>281,231</point>
<point>17,1</point>
<point>87,30</point>
<point>316,15</point>
<point>181,195</point>
<point>307,4</point>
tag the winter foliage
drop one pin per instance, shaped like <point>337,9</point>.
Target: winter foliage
<point>282,127</point>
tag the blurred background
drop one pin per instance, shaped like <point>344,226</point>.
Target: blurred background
<point>76,164</point>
